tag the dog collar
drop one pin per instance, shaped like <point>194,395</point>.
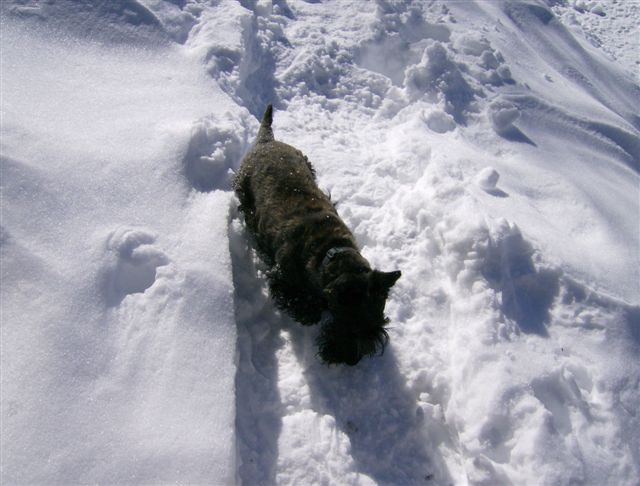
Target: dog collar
<point>335,251</point>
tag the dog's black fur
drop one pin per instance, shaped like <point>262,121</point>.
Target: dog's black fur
<point>314,264</point>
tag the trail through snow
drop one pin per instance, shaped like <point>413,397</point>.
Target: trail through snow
<point>489,150</point>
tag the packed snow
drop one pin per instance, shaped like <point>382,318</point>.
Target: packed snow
<point>490,150</point>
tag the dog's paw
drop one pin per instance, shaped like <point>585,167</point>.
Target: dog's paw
<point>132,264</point>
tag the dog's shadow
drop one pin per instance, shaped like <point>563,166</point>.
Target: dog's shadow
<point>258,403</point>
<point>373,406</point>
<point>370,402</point>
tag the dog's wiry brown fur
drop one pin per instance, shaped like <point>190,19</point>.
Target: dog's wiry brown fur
<point>295,225</point>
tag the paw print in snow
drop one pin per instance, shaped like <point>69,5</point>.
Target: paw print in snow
<point>134,260</point>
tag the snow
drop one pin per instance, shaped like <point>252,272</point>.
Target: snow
<point>118,334</point>
<point>489,150</point>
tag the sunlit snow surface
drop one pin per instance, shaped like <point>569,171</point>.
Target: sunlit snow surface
<point>490,150</point>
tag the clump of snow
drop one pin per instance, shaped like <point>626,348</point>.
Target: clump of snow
<point>488,178</point>
<point>399,41</point>
<point>440,79</point>
<point>587,6</point>
<point>503,114</point>
<point>176,21</point>
<point>489,150</point>
<point>439,121</point>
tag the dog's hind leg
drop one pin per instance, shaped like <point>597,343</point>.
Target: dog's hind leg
<point>242,187</point>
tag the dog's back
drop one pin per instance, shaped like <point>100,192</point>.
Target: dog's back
<point>280,198</point>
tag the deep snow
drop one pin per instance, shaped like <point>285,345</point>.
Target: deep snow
<point>489,150</point>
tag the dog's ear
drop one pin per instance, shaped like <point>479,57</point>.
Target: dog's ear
<point>385,280</point>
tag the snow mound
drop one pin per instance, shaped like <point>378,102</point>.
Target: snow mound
<point>118,336</point>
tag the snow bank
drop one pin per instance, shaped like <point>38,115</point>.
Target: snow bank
<point>118,335</point>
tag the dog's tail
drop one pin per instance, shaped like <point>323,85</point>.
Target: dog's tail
<point>266,133</point>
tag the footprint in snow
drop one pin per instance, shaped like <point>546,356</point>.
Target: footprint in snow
<point>216,147</point>
<point>133,260</point>
<point>560,393</point>
<point>527,292</point>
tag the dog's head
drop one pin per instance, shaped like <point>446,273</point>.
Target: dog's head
<point>356,329</point>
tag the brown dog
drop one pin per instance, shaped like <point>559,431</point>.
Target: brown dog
<point>314,263</point>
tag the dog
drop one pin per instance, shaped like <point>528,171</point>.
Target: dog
<point>313,261</point>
